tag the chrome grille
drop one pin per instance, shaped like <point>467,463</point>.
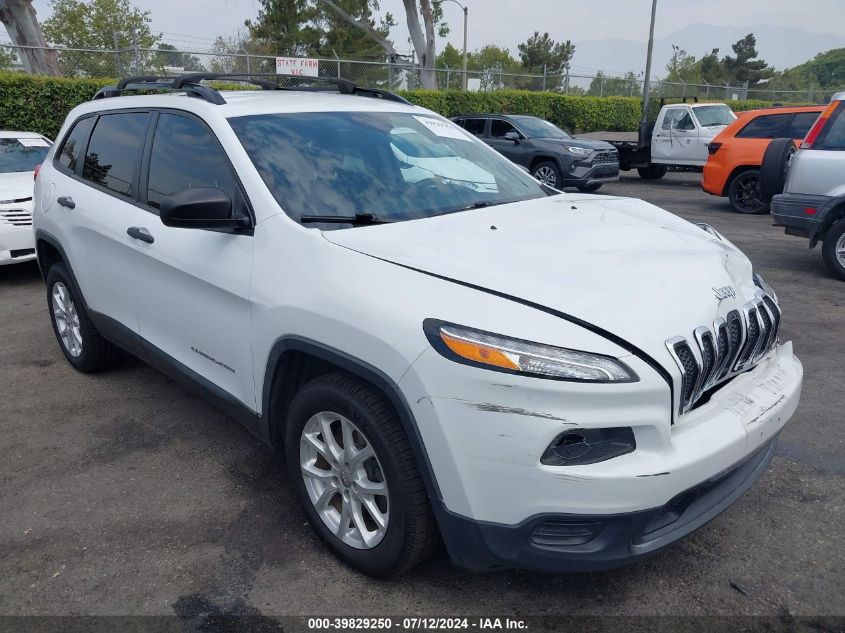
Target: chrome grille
<point>16,217</point>
<point>606,157</point>
<point>735,344</point>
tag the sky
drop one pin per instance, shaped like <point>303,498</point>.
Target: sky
<point>194,23</point>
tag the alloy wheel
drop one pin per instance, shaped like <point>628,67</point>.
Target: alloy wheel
<point>546,175</point>
<point>748,195</point>
<point>839,250</point>
<point>67,319</point>
<point>344,480</point>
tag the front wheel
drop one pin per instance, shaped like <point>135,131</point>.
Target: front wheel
<point>833,249</point>
<point>590,188</point>
<point>652,172</point>
<point>744,193</point>
<point>548,173</point>
<point>355,474</point>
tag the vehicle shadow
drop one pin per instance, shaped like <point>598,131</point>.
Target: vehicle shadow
<point>19,274</point>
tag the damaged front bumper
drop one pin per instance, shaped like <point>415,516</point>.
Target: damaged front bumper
<point>502,507</point>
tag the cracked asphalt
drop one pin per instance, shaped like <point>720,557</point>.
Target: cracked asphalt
<point>122,493</point>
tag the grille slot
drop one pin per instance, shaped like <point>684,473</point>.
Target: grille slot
<point>735,344</point>
<point>607,157</point>
<point>16,217</point>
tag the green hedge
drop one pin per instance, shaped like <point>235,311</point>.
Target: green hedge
<point>40,104</point>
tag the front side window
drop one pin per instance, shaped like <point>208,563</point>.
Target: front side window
<point>394,166</point>
<point>499,128</point>
<point>672,117</point>
<point>185,155</point>
<point>766,126</point>
<point>114,151</point>
<point>74,143</point>
<point>22,154</point>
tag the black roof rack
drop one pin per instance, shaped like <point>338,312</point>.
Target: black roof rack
<point>192,86</point>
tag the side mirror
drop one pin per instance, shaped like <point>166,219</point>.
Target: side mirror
<point>200,208</point>
<point>513,136</point>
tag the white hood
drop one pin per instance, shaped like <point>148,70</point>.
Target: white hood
<point>16,185</point>
<point>618,263</point>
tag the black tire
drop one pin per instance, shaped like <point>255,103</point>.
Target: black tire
<point>411,535</point>
<point>652,172</point>
<point>834,240</point>
<point>774,167</point>
<point>545,171</point>
<point>96,352</point>
<point>744,193</point>
<point>590,188</point>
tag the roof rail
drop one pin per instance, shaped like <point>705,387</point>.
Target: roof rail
<point>190,84</point>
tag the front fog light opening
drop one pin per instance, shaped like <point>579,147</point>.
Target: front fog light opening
<point>579,447</point>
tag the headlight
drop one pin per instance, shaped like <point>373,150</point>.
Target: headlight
<point>502,353</point>
<point>762,285</point>
<point>579,151</point>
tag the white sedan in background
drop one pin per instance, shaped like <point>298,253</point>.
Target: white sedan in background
<point>20,154</point>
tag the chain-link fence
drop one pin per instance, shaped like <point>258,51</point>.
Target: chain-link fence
<point>401,73</point>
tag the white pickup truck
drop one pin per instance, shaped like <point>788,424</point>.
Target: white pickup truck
<point>679,136</point>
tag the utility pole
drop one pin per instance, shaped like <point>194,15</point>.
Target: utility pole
<point>117,55</point>
<point>136,54</point>
<point>647,80</point>
<point>464,81</point>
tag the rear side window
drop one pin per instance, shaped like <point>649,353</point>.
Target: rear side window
<point>74,143</point>
<point>114,151</point>
<point>832,136</point>
<point>801,124</point>
<point>186,155</point>
<point>766,126</point>
<point>474,126</point>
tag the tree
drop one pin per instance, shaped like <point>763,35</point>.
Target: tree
<point>744,66</point>
<point>167,55</point>
<point>452,59</point>
<point>21,24</point>
<point>541,51</point>
<point>683,67</point>
<point>711,68</point>
<point>286,27</point>
<point>7,58</point>
<point>424,43</point>
<point>349,26</point>
<point>627,86</point>
<point>94,25</point>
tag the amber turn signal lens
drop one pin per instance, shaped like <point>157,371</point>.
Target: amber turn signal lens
<point>478,353</point>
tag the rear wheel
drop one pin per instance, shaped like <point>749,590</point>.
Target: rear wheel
<point>590,188</point>
<point>744,193</point>
<point>356,477</point>
<point>78,339</point>
<point>774,167</point>
<point>652,172</point>
<point>833,249</point>
<point>548,173</point>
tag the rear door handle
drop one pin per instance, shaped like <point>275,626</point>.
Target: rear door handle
<point>140,233</point>
<point>66,201</point>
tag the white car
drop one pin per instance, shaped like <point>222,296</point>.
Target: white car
<point>541,380</point>
<point>20,154</point>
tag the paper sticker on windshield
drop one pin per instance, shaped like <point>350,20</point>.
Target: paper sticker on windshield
<point>442,128</point>
<point>33,142</point>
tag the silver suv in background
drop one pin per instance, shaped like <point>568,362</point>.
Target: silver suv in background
<point>812,204</point>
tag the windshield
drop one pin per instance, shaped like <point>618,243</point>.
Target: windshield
<point>393,166</point>
<point>538,128</point>
<point>22,154</point>
<point>712,115</point>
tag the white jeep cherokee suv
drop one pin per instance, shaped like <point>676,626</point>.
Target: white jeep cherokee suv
<point>442,347</point>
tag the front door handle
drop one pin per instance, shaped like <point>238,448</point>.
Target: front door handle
<point>140,233</point>
<point>66,201</point>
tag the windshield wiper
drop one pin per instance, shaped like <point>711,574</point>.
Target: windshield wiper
<point>359,219</point>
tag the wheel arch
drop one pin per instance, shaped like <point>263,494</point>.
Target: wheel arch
<point>49,252</point>
<point>295,360</point>
<point>833,212</point>
<point>542,158</point>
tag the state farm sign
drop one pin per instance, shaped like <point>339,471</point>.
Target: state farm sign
<point>297,66</point>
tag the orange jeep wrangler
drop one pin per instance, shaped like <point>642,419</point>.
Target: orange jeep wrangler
<point>735,155</point>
